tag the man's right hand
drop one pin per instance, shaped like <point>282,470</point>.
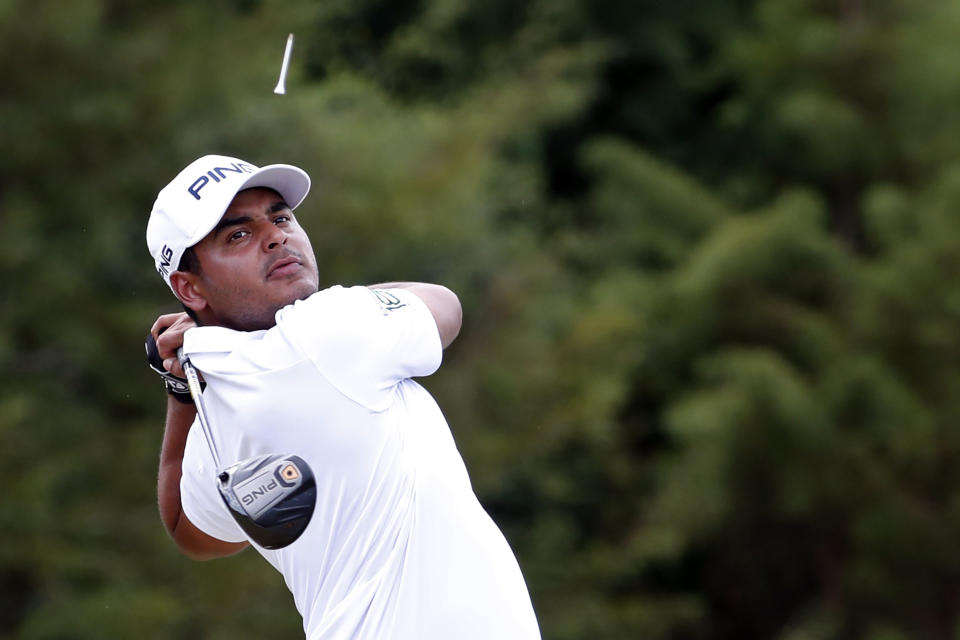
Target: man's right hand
<point>168,332</point>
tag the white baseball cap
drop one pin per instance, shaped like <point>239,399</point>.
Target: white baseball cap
<point>188,208</point>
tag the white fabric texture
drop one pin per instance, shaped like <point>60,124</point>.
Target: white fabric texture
<point>398,546</point>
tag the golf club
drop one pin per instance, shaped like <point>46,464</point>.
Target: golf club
<point>271,496</point>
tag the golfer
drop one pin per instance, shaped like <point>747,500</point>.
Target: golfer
<point>398,545</point>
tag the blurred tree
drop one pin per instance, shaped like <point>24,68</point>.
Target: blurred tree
<point>708,376</point>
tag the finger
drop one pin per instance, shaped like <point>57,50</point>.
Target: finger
<point>164,322</point>
<point>172,337</point>
<point>181,325</point>
<point>173,366</point>
<point>168,342</point>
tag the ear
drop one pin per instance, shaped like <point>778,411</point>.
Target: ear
<point>185,287</point>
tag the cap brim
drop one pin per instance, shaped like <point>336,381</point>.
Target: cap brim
<point>292,183</point>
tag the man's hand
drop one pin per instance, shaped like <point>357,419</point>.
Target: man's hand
<point>168,332</point>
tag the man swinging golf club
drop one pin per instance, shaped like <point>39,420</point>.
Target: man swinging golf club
<point>314,388</point>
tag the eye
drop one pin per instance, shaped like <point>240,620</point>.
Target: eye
<point>282,219</point>
<point>237,235</point>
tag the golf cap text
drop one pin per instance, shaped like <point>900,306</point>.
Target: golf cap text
<point>218,174</point>
<point>166,257</point>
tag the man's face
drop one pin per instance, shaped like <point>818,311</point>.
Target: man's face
<point>256,261</point>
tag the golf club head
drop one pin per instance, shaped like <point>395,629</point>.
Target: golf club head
<point>272,497</point>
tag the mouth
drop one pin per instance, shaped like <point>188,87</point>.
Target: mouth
<point>284,267</point>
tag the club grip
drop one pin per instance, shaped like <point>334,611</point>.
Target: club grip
<point>153,354</point>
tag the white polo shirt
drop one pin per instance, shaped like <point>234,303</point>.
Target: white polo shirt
<point>398,546</point>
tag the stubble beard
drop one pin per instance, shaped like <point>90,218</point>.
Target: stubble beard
<point>247,316</point>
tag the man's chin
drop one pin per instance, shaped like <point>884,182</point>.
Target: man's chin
<point>297,291</point>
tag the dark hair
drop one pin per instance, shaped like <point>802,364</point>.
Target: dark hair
<point>190,264</point>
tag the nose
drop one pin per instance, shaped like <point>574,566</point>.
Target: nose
<point>273,237</point>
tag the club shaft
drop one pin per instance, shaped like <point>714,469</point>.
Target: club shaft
<point>193,381</point>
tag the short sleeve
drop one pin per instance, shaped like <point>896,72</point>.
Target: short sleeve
<point>199,495</point>
<point>365,341</point>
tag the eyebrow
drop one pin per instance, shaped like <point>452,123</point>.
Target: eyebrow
<point>236,221</point>
<point>226,223</point>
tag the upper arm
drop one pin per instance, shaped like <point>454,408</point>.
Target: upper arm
<point>197,545</point>
<point>365,340</point>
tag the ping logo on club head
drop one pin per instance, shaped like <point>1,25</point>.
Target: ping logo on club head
<point>288,474</point>
<point>252,494</point>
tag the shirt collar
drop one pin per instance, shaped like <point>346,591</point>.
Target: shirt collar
<point>203,340</point>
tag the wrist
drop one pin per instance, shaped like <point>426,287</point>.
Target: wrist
<point>178,391</point>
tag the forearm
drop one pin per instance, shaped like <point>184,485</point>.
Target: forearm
<point>179,418</point>
<point>192,541</point>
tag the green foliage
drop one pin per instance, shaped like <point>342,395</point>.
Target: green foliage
<point>707,381</point>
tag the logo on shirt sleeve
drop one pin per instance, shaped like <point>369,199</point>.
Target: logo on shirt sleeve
<point>388,301</point>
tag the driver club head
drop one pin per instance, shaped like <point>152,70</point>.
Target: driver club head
<point>272,497</point>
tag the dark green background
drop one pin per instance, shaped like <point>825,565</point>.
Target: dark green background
<point>708,376</point>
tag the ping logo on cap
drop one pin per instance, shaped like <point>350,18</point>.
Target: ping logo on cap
<point>217,174</point>
<point>166,257</point>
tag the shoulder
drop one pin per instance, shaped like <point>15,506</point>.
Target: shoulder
<point>221,351</point>
<point>337,308</point>
<point>335,297</point>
